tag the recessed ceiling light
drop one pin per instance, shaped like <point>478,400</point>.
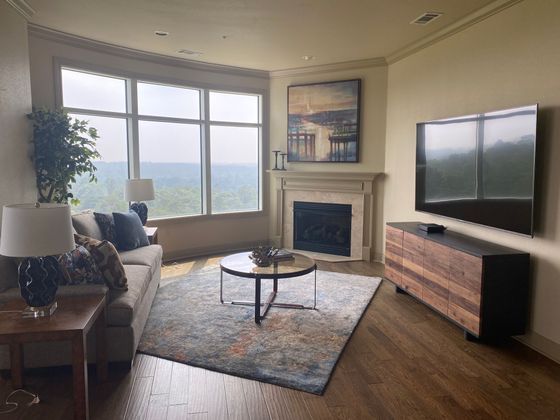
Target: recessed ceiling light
<point>161,33</point>
<point>308,57</point>
<point>190,52</point>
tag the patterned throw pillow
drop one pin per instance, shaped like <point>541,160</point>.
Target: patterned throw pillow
<point>78,267</point>
<point>107,225</point>
<point>108,261</point>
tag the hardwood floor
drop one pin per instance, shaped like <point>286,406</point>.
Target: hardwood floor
<point>403,361</point>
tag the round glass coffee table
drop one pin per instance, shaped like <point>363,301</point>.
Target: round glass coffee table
<point>241,266</point>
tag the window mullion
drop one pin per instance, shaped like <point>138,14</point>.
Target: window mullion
<point>206,158</point>
<point>133,140</point>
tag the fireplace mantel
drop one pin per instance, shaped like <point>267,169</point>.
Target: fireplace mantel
<point>335,187</point>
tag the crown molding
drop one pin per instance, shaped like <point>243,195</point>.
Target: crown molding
<point>99,46</point>
<point>22,8</point>
<point>328,68</point>
<point>456,27</point>
<point>48,34</point>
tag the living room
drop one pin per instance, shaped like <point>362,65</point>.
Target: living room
<point>403,359</point>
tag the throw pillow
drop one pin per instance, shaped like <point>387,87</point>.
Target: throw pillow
<point>108,261</point>
<point>107,225</point>
<point>130,232</point>
<point>78,267</point>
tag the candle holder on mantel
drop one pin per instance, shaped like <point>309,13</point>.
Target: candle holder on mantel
<point>276,152</point>
<point>283,161</point>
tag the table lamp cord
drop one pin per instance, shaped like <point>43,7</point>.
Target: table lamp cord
<point>13,406</point>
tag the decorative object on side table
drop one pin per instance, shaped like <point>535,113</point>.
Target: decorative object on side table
<point>324,122</point>
<point>37,232</point>
<point>263,256</point>
<point>139,190</point>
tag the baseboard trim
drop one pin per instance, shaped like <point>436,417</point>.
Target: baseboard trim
<point>210,250</point>
<point>540,344</point>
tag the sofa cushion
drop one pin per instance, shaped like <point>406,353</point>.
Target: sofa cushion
<point>147,255</point>
<point>85,224</point>
<point>129,230</point>
<point>107,259</point>
<point>123,306</point>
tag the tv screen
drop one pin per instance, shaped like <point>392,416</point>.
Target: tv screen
<point>479,168</point>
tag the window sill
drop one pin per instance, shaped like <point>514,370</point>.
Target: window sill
<point>202,217</point>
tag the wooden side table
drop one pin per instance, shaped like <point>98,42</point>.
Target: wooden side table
<point>72,320</point>
<point>151,232</point>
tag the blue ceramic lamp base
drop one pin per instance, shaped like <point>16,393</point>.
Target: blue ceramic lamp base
<point>38,283</point>
<point>142,210</point>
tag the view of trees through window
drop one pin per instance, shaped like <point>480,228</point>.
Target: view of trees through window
<point>169,132</point>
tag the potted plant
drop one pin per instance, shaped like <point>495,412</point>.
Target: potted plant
<point>63,149</point>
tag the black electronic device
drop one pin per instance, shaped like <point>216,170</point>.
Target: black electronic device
<point>431,227</point>
<point>479,168</point>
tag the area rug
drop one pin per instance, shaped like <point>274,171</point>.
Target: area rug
<point>291,347</point>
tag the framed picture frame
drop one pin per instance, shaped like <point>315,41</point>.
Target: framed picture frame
<point>324,121</point>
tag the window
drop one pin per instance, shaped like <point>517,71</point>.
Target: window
<point>168,101</point>
<point>112,170</point>
<point>94,92</point>
<point>235,168</point>
<point>170,155</point>
<point>232,107</point>
<point>200,164</point>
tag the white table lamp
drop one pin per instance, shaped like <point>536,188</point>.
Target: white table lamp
<point>37,233</point>
<point>136,191</point>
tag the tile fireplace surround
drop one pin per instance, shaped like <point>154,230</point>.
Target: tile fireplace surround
<point>355,188</point>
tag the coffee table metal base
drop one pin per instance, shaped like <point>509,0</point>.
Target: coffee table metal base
<point>261,314</point>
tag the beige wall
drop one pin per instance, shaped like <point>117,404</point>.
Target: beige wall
<point>372,136</point>
<point>510,59</point>
<point>182,236</point>
<point>17,177</point>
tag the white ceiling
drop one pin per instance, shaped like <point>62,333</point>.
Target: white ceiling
<point>257,34</point>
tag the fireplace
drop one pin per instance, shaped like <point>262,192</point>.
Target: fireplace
<point>323,227</point>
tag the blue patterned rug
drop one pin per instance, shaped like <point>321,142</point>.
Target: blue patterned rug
<point>292,348</point>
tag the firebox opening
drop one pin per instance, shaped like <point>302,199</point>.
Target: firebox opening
<point>323,227</point>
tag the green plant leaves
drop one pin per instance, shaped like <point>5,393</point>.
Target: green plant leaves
<point>63,150</point>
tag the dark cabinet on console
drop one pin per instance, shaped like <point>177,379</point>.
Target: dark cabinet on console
<point>481,286</point>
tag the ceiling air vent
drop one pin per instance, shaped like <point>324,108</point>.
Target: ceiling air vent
<point>426,18</point>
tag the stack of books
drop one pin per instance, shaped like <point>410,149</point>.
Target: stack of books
<point>283,255</point>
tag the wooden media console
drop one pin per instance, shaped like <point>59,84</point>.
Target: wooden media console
<point>480,286</point>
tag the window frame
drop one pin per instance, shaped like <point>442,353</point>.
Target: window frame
<point>133,118</point>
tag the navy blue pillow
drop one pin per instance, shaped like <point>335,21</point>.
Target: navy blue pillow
<point>130,233</point>
<point>107,226</point>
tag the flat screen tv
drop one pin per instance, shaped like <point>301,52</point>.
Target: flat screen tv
<point>479,168</point>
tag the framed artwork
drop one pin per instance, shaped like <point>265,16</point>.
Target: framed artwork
<point>324,122</point>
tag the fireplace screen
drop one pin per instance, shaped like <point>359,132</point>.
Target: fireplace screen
<point>322,227</point>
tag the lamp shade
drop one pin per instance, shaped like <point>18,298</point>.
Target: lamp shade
<point>139,190</point>
<point>36,230</point>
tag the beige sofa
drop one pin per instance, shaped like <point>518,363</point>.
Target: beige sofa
<point>127,312</point>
